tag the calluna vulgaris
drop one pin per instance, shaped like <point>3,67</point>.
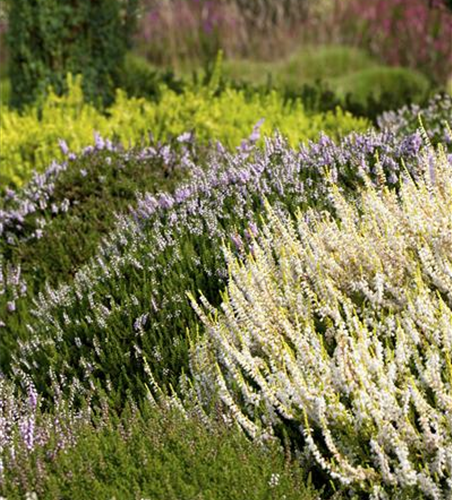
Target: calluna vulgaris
<point>343,327</point>
<point>115,316</point>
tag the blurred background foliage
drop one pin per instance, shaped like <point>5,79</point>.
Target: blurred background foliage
<point>346,45</point>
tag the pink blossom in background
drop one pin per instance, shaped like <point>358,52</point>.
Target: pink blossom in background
<point>415,33</point>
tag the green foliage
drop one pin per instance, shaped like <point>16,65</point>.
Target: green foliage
<point>330,76</point>
<point>49,38</point>
<point>126,307</point>
<point>5,91</point>
<point>80,210</point>
<point>307,65</point>
<point>141,79</point>
<point>326,62</point>
<point>397,86</point>
<point>162,454</point>
<point>30,139</point>
<point>96,187</point>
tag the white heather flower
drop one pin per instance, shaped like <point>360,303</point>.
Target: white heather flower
<point>274,480</point>
<point>345,327</point>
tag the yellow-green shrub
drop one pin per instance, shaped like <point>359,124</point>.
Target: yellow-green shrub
<point>30,140</point>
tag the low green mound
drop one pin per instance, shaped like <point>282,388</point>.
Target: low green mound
<point>325,63</point>
<point>304,66</point>
<point>397,85</point>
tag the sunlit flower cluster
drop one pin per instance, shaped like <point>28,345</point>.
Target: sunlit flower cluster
<point>343,327</point>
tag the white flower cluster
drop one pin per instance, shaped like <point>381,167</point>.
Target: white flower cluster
<point>343,326</point>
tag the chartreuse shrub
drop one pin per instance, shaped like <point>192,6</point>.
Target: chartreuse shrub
<point>340,330</point>
<point>30,139</point>
<point>126,307</point>
<point>158,452</point>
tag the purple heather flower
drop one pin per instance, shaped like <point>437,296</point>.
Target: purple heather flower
<point>252,231</point>
<point>185,137</point>
<point>99,141</point>
<point>165,201</point>
<point>182,194</point>
<point>32,396</point>
<point>27,431</point>
<point>140,321</point>
<point>10,194</point>
<point>244,176</point>
<point>63,146</point>
<point>237,240</point>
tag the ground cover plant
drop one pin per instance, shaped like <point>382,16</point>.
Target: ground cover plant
<point>113,321</point>
<point>153,212</point>
<point>434,115</point>
<point>225,279</point>
<point>30,138</point>
<point>340,329</point>
<point>159,452</point>
<point>54,223</point>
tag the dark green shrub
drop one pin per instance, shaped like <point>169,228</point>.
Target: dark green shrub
<point>55,223</point>
<point>162,454</point>
<point>141,79</point>
<point>50,38</point>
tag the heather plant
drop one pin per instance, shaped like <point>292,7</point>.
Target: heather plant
<point>434,115</point>
<point>53,225</point>
<point>160,452</point>
<point>30,438</point>
<point>126,310</point>
<point>340,329</point>
<point>75,202</point>
<point>30,139</point>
